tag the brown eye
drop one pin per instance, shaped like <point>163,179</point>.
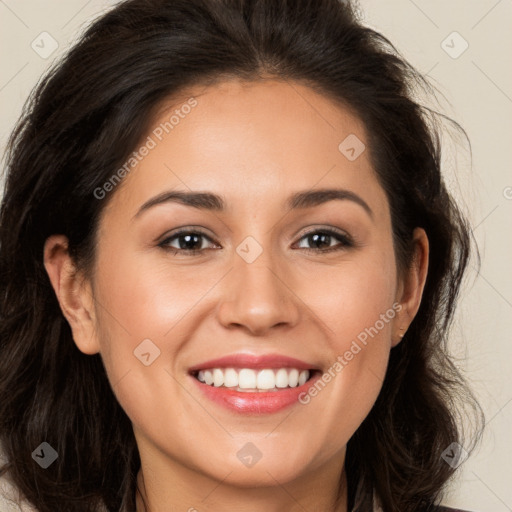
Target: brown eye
<point>188,242</point>
<point>325,237</point>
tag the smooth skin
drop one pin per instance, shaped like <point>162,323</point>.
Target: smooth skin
<point>254,144</point>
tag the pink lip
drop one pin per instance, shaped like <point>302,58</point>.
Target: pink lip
<point>254,402</point>
<point>255,362</point>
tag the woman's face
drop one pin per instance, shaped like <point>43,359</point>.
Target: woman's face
<point>260,288</point>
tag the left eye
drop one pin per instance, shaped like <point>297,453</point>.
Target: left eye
<point>324,237</point>
<point>188,241</point>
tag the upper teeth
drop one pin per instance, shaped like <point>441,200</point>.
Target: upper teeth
<point>247,378</point>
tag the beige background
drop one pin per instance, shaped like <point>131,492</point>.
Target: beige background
<point>477,89</point>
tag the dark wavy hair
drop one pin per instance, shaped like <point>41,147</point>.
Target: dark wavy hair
<point>81,123</point>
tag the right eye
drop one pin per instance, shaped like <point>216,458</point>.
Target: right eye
<point>187,239</point>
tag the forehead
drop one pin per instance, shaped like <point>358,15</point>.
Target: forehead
<point>262,140</point>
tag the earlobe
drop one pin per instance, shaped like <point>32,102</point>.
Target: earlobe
<point>73,293</point>
<point>413,285</point>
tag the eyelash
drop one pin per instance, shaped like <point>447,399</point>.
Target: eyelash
<point>346,241</point>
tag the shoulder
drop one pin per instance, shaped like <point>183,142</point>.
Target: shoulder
<point>10,497</point>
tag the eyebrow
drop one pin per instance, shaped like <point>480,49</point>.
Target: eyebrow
<point>213,202</point>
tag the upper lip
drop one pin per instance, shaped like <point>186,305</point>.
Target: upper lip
<point>244,360</point>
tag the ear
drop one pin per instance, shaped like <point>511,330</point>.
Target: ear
<point>411,286</point>
<point>73,292</point>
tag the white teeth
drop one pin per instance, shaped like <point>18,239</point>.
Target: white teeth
<point>208,377</point>
<point>247,379</point>
<point>293,378</point>
<point>218,377</point>
<point>244,379</point>
<point>266,380</point>
<point>230,378</point>
<point>281,378</point>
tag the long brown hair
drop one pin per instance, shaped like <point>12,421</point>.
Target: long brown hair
<point>82,122</point>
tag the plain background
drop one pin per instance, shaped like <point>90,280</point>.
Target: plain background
<point>476,89</point>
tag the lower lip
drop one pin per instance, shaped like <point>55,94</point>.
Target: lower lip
<point>255,403</point>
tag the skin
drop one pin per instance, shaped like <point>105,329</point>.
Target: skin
<point>254,144</point>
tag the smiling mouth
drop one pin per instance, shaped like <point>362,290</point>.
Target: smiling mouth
<point>250,380</point>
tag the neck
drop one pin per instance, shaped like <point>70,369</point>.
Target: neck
<point>321,489</point>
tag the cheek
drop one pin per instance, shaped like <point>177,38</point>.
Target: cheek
<point>354,295</point>
<point>139,312</point>
<point>141,299</point>
<point>358,311</point>
<point>146,300</point>
<point>132,308</point>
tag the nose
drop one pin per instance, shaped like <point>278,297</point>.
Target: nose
<point>258,296</point>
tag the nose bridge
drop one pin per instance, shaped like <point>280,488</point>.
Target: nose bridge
<point>258,296</point>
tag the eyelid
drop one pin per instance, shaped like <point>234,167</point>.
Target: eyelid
<point>325,229</point>
<point>186,229</point>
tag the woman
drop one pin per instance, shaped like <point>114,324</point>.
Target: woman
<point>229,263</point>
